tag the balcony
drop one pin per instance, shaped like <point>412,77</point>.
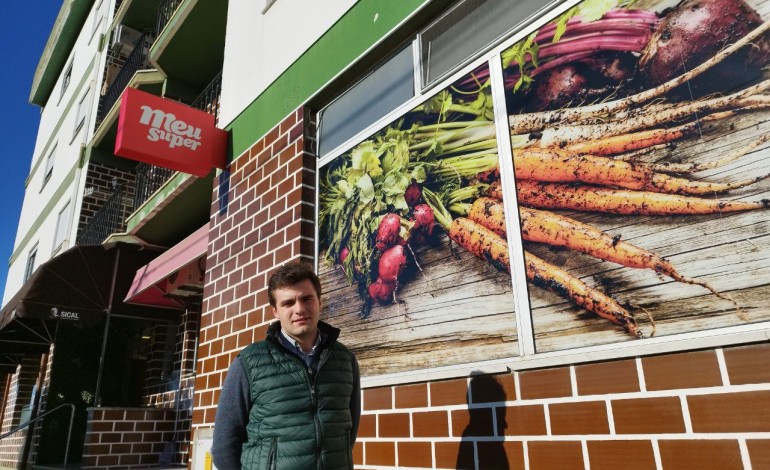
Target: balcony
<point>209,99</point>
<point>136,61</point>
<point>108,219</point>
<point>166,10</point>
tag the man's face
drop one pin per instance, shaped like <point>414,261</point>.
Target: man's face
<point>297,307</point>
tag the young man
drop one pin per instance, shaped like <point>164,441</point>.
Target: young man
<point>291,401</point>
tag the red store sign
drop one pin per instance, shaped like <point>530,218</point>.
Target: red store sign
<point>168,134</point>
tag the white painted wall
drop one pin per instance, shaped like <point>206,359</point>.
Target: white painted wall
<point>260,46</point>
<point>56,132</point>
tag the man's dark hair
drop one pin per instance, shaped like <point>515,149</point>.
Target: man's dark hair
<point>290,274</point>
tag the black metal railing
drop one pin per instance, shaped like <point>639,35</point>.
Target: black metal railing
<point>208,100</point>
<point>118,3</point>
<point>109,219</point>
<point>136,61</point>
<point>38,418</point>
<point>166,10</point>
<point>149,178</point>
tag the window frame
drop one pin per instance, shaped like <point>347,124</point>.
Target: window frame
<point>29,268</point>
<point>82,111</point>
<point>49,164</point>
<point>63,215</point>
<point>66,78</point>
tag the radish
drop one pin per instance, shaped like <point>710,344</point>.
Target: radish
<point>382,291</point>
<point>392,262</point>
<point>344,252</point>
<point>388,233</point>
<point>423,218</point>
<point>413,194</point>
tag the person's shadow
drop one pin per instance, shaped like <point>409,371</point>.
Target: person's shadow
<point>491,454</point>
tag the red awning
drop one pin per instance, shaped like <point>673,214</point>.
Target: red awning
<point>159,283</point>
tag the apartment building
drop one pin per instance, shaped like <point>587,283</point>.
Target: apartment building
<point>555,300</point>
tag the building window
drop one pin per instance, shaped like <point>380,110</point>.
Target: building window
<point>83,105</point>
<point>380,92</point>
<point>97,16</point>
<point>30,263</point>
<point>67,78</point>
<point>49,160</point>
<point>62,226</point>
<point>266,5</point>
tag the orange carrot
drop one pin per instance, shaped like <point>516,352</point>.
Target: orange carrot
<point>619,201</point>
<point>487,245</point>
<point>495,190</point>
<point>561,282</point>
<point>557,166</point>
<point>552,229</point>
<point>631,142</point>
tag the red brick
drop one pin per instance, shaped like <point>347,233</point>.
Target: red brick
<point>449,392</point>
<point>635,455</point>
<point>759,452</point>
<point>545,383</point>
<point>378,398</point>
<point>412,396</point>
<point>561,455</point>
<point>393,425</point>
<point>658,415</point>
<point>446,454</point>
<point>730,412</point>
<point>367,427</point>
<point>683,370</point>
<point>748,364</point>
<point>605,378</point>
<point>523,420</point>
<point>700,455</point>
<point>493,388</point>
<point>579,418</point>
<point>472,422</point>
<point>507,454</point>
<point>414,454</point>
<point>430,424</point>
<point>380,453</point>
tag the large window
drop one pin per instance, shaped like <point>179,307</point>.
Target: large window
<point>83,108</point>
<point>66,78</point>
<point>49,161</point>
<point>550,201</point>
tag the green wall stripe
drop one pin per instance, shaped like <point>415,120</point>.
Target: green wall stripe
<point>62,116</point>
<point>55,199</point>
<point>348,39</point>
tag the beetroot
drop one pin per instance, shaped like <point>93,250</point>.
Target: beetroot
<point>413,194</point>
<point>423,218</point>
<point>693,32</point>
<point>392,262</point>
<point>558,88</point>
<point>382,291</point>
<point>344,252</point>
<point>388,231</point>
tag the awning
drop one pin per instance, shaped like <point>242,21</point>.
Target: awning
<point>74,286</point>
<point>156,283</point>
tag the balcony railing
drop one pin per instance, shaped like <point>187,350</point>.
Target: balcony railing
<point>166,10</point>
<point>109,219</point>
<point>208,100</point>
<point>149,178</point>
<point>136,61</point>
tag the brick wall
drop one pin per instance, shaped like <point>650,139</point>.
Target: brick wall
<point>262,216</point>
<point>706,409</point>
<point>19,396</point>
<point>127,437</point>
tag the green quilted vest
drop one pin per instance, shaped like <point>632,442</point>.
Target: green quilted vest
<point>298,421</point>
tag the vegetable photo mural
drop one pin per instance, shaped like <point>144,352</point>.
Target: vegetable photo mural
<point>394,278</point>
<point>639,137</point>
<point>639,134</point>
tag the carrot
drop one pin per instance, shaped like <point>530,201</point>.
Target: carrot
<point>552,229</point>
<point>558,166</point>
<point>630,142</point>
<point>559,281</point>
<point>618,201</point>
<point>561,136</point>
<point>487,245</point>
<point>695,167</point>
<point>495,190</point>
<point>481,241</point>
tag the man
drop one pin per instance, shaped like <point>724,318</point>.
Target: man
<point>291,401</point>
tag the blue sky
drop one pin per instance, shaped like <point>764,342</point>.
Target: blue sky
<point>24,31</point>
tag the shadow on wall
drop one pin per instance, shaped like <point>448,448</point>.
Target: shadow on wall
<point>481,425</point>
